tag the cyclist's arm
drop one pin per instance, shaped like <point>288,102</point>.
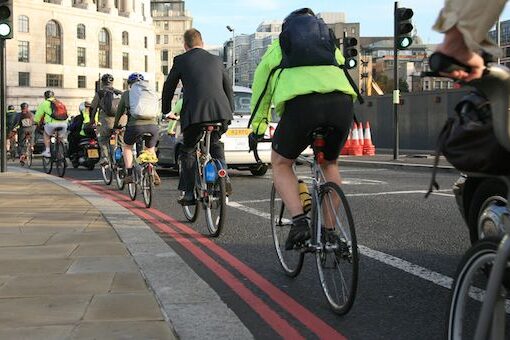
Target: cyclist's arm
<point>169,88</point>
<point>94,104</point>
<point>473,19</point>
<point>270,60</point>
<point>40,112</point>
<point>121,109</point>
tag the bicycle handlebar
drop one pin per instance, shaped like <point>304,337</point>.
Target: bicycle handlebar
<point>255,149</point>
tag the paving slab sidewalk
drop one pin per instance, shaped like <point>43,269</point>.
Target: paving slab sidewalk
<point>64,272</point>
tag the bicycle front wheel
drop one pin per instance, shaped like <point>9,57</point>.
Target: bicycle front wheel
<point>147,187</point>
<point>28,154</point>
<point>106,171</point>
<point>132,190</point>
<point>281,221</point>
<point>47,164</point>
<point>469,289</point>
<point>215,207</point>
<point>60,159</point>
<point>337,260</point>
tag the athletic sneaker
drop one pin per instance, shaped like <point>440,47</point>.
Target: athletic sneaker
<point>299,233</point>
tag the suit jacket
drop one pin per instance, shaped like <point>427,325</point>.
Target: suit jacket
<point>208,94</point>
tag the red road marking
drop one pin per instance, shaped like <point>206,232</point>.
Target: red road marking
<point>307,318</point>
<point>273,319</point>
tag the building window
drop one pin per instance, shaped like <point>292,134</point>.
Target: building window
<point>23,24</point>
<point>437,84</point>
<point>166,26</point>
<point>104,49</point>
<point>23,51</point>
<point>164,55</point>
<point>24,79</point>
<point>124,84</point>
<point>143,11</point>
<point>146,64</point>
<point>80,31</point>
<point>158,39</point>
<point>145,43</point>
<point>125,38</point>
<point>81,56</point>
<point>82,82</point>
<point>165,39</point>
<point>164,70</point>
<point>53,43</point>
<point>125,61</point>
<point>157,86</point>
<point>54,80</point>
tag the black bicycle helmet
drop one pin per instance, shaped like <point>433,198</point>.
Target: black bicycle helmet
<point>24,105</point>
<point>49,94</point>
<point>10,107</point>
<point>107,79</point>
<point>298,12</point>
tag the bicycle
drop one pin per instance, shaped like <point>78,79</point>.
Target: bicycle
<point>143,178</point>
<point>210,185</point>
<point>57,151</point>
<point>13,144</point>
<point>27,151</point>
<point>115,166</point>
<point>479,302</point>
<point>336,253</point>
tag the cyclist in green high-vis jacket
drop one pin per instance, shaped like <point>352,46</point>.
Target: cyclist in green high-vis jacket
<point>306,97</point>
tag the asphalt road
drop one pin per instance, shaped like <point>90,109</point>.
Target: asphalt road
<point>410,250</point>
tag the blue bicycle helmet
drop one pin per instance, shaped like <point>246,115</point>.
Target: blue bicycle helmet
<point>134,77</point>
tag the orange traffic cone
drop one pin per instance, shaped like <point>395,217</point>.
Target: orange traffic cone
<point>347,145</point>
<point>356,148</point>
<point>368,147</point>
<point>360,134</point>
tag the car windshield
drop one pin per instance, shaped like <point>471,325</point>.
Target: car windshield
<point>242,102</point>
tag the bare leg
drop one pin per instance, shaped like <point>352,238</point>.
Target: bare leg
<point>127,151</point>
<point>332,174</point>
<point>46,139</point>
<point>286,183</point>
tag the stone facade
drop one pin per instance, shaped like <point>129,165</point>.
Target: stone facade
<point>171,20</point>
<point>128,27</point>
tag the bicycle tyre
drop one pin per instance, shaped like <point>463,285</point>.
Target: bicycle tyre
<point>465,297</point>
<point>47,164</point>
<point>147,187</point>
<point>119,178</point>
<point>29,155</point>
<point>60,159</point>
<point>215,222</point>
<point>330,261</point>
<point>132,190</point>
<point>191,212</point>
<point>106,171</point>
<point>291,261</point>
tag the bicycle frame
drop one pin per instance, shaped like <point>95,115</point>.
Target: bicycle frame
<point>493,305</point>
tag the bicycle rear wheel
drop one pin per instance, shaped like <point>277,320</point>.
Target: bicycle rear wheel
<point>337,260</point>
<point>132,190</point>
<point>147,186</point>
<point>191,212</point>
<point>47,164</point>
<point>468,292</point>
<point>106,171</point>
<point>28,153</point>
<point>281,221</point>
<point>60,159</point>
<point>119,178</point>
<point>215,206</point>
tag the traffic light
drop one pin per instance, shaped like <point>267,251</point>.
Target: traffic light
<point>6,19</point>
<point>350,52</point>
<point>403,28</point>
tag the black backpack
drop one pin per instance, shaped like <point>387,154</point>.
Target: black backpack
<point>109,101</point>
<point>305,40</point>
<point>468,142</point>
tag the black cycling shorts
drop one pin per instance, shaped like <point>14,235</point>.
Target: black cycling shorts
<point>134,132</point>
<point>304,114</point>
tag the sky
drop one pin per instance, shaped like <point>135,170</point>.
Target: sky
<point>375,16</point>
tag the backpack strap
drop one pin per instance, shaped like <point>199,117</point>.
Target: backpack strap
<point>259,100</point>
<point>439,148</point>
<point>352,83</point>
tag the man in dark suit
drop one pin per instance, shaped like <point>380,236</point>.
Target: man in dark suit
<point>208,98</point>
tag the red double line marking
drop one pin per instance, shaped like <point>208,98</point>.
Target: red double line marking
<point>303,315</point>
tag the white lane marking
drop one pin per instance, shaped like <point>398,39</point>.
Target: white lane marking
<point>406,266</point>
<point>367,194</point>
<point>92,180</point>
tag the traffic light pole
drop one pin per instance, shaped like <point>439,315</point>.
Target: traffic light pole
<point>3,125</point>
<point>396,92</point>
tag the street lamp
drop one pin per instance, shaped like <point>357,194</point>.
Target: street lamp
<point>233,54</point>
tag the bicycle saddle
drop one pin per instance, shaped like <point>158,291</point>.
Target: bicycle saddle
<point>211,126</point>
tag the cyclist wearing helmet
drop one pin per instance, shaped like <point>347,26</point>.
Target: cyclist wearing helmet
<point>80,126</point>
<point>106,119</point>
<point>135,128</point>
<point>26,125</point>
<point>43,113</point>
<point>12,122</point>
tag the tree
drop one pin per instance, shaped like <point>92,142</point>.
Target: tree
<point>403,86</point>
<point>385,83</point>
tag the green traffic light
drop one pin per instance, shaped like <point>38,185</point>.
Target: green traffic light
<point>5,30</point>
<point>351,63</point>
<point>404,42</point>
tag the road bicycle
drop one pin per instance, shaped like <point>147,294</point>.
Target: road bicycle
<point>115,166</point>
<point>333,240</point>
<point>479,303</point>
<point>210,185</point>
<point>143,176</point>
<point>27,150</point>
<point>57,152</point>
